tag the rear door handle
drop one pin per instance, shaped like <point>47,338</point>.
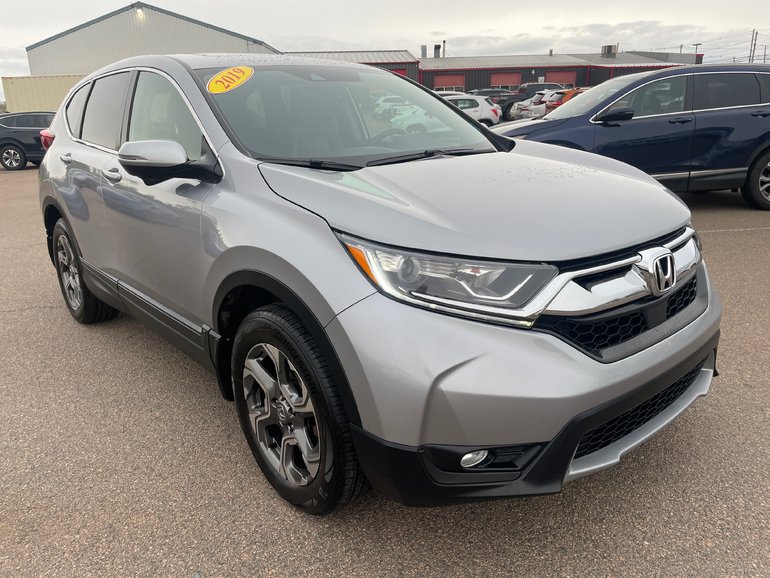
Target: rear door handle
<point>681,120</point>
<point>762,113</point>
<point>112,175</point>
<point>66,158</point>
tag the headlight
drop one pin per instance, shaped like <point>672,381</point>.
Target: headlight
<point>491,290</point>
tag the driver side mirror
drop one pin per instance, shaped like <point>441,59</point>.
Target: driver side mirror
<point>616,114</point>
<point>155,161</point>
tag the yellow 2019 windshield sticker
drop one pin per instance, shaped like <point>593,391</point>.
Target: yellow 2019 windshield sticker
<point>229,79</point>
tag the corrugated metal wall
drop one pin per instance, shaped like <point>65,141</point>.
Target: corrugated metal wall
<point>131,33</point>
<point>25,93</point>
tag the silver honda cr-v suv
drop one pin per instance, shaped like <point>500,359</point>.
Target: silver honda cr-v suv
<point>442,314</point>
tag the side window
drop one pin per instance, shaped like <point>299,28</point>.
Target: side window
<point>764,86</point>
<point>104,111</point>
<point>9,121</point>
<point>75,109</point>
<point>159,113</point>
<point>721,90</point>
<point>661,97</point>
<point>470,103</point>
<point>26,121</point>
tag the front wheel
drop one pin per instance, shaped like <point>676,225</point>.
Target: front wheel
<point>291,413</point>
<point>756,191</point>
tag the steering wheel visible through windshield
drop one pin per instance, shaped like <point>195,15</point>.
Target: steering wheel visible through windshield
<point>340,114</point>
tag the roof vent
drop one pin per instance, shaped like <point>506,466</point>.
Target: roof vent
<point>609,50</point>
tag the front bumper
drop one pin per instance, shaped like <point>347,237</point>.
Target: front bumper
<point>430,387</point>
<point>414,475</point>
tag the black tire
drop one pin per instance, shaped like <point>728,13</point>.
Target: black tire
<point>339,479</point>
<point>81,303</point>
<point>12,158</point>
<point>756,191</point>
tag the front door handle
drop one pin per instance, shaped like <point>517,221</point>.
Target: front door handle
<point>762,113</point>
<point>66,158</point>
<point>112,175</point>
<point>681,120</point>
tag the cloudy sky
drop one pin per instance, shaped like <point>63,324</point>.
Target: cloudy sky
<point>475,28</point>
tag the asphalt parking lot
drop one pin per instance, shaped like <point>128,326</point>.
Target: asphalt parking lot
<point>118,456</point>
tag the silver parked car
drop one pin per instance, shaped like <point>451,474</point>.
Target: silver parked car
<point>445,315</point>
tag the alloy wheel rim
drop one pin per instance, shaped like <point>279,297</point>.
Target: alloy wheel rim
<point>764,182</point>
<point>68,272</point>
<point>11,158</point>
<point>282,416</point>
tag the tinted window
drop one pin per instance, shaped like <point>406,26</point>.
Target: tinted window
<point>159,113</point>
<point>720,90</point>
<point>31,121</point>
<point>660,97</point>
<point>104,111</point>
<point>764,84</point>
<point>9,121</point>
<point>75,110</point>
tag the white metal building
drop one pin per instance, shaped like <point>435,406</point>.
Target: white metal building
<point>56,63</point>
<point>136,29</point>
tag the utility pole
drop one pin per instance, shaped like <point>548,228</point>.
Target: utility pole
<point>696,46</point>
<point>753,45</point>
<point>681,47</point>
<point>764,56</point>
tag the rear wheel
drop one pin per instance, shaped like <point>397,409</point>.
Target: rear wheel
<point>291,413</point>
<point>756,191</point>
<point>81,303</point>
<point>12,158</point>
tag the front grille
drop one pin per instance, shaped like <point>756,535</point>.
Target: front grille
<point>680,300</point>
<point>619,427</point>
<point>595,333</point>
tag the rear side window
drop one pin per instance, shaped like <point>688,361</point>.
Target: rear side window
<point>75,110</point>
<point>9,121</point>
<point>764,87</point>
<point>104,111</point>
<point>722,90</point>
<point>159,113</point>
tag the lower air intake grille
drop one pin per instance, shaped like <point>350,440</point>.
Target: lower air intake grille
<point>610,432</point>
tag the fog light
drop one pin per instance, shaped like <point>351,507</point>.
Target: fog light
<point>473,458</point>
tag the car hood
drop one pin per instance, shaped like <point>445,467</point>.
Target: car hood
<point>537,203</point>
<point>527,126</point>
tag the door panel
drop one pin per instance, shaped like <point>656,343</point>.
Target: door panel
<point>729,128</point>
<point>658,140</point>
<point>155,229</point>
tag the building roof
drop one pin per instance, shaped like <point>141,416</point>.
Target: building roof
<point>142,5</point>
<point>620,60</point>
<point>511,61</point>
<point>364,56</point>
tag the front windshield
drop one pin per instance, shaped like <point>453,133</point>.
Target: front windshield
<point>335,113</point>
<point>583,103</point>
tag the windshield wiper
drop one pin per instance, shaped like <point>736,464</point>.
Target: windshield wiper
<point>314,164</point>
<point>426,154</point>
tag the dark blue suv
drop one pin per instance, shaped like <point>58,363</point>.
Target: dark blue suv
<point>693,128</point>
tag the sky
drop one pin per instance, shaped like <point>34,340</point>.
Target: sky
<point>470,28</point>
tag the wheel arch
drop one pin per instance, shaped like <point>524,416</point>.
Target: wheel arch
<point>756,154</point>
<point>242,292</point>
<point>52,212</point>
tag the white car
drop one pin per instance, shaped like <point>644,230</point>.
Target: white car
<point>480,108</point>
<point>530,108</point>
<point>418,121</point>
<point>387,106</point>
<point>448,93</point>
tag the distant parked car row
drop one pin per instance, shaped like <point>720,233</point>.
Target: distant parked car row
<point>20,138</point>
<point>695,128</point>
